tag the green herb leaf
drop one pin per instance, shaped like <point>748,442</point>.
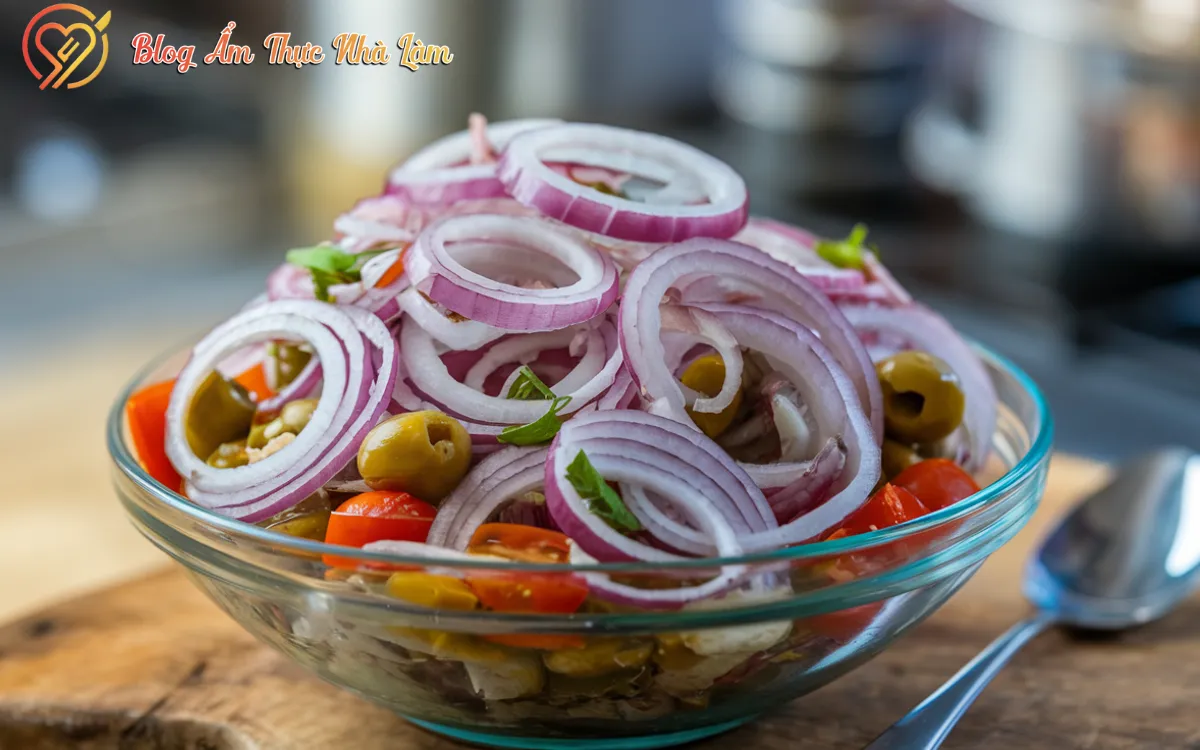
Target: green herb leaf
<point>847,253</point>
<point>529,387</point>
<point>329,266</point>
<point>601,499</point>
<point>322,258</point>
<point>538,432</point>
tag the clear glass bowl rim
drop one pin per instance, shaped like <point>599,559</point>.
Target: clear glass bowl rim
<point>1021,472</point>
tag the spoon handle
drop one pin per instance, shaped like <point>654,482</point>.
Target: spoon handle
<point>927,726</point>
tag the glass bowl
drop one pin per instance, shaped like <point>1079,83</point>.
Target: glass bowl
<point>609,677</point>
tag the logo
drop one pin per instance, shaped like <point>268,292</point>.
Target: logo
<point>73,53</point>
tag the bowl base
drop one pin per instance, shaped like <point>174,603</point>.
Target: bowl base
<point>644,742</point>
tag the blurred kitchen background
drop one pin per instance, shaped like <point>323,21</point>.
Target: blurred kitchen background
<point>1030,167</point>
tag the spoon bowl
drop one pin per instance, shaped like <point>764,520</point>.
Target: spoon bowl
<point>1128,554</point>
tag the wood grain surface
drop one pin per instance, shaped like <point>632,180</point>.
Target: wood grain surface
<point>152,664</point>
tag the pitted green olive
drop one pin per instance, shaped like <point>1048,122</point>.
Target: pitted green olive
<point>221,412</point>
<point>424,453</point>
<point>922,399</point>
<point>897,457</point>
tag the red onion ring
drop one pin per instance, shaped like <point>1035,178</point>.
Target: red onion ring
<point>449,170</point>
<point>795,247</point>
<point>774,285</point>
<point>502,476</point>
<point>433,270</point>
<point>528,179</point>
<point>676,463</point>
<point>381,220</point>
<point>353,398</point>
<point>918,327</point>
<point>430,377</point>
<point>827,392</point>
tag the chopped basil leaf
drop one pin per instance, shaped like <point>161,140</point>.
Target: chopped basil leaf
<point>529,387</point>
<point>847,253</point>
<point>330,266</point>
<point>601,499</point>
<point>538,432</point>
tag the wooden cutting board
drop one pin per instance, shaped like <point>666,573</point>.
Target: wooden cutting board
<point>152,664</point>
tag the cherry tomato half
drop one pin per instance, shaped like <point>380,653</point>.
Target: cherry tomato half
<point>889,506</point>
<point>526,592</point>
<point>518,542</point>
<point>377,516</point>
<point>938,482</point>
<point>546,593</point>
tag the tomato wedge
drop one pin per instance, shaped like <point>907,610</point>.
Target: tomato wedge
<point>518,542</point>
<point>146,413</point>
<point>547,593</point>
<point>377,516</point>
<point>889,506</point>
<point>938,482</point>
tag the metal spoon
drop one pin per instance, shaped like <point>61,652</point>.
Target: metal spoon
<point>1125,556</point>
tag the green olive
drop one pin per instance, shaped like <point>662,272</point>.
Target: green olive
<point>296,414</point>
<point>424,453</point>
<point>922,399</point>
<point>897,457</point>
<point>285,361</point>
<point>308,519</point>
<point>707,375</point>
<point>229,455</point>
<point>261,434</point>
<point>221,412</point>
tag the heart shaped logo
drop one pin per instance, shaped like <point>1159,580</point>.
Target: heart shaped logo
<point>70,43</point>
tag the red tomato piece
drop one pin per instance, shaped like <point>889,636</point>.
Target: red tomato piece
<point>889,506</point>
<point>146,412</point>
<point>547,593</point>
<point>519,542</point>
<point>938,482</point>
<point>374,517</point>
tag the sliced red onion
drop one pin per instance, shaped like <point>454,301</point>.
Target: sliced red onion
<point>896,294</point>
<point>675,463</point>
<point>524,349</point>
<point>702,327</point>
<point>812,488</point>
<point>795,247</point>
<point>430,377</point>
<point>307,382</point>
<point>799,356</point>
<point>383,220</point>
<point>434,270</point>
<point>502,476</point>
<point>659,454</point>
<point>355,393</point>
<point>772,285</point>
<point>918,327</point>
<point>682,170</point>
<point>460,334</point>
<point>453,169</point>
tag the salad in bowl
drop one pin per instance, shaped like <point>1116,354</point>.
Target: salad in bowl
<point>552,433</point>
